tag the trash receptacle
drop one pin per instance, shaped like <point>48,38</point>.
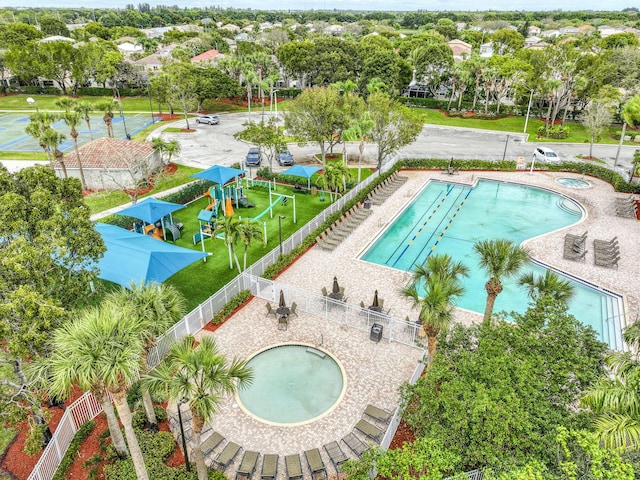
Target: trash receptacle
<point>366,204</point>
<point>376,332</point>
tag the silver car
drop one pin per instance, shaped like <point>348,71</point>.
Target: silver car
<point>209,119</point>
<point>545,154</point>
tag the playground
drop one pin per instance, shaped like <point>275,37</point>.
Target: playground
<point>13,137</point>
<point>258,201</point>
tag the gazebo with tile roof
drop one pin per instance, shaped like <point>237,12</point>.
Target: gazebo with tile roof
<point>111,163</point>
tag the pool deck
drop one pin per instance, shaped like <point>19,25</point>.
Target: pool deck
<point>375,370</point>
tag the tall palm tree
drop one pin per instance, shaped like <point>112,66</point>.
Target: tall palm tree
<point>343,175</point>
<point>248,232</point>
<point>229,227</point>
<point>84,108</point>
<point>156,307</point>
<point>100,351</point>
<point>358,131</point>
<point>433,290</point>
<point>72,119</point>
<point>616,398</point>
<point>51,139</point>
<point>39,123</point>
<point>107,108</point>
<point>547,285</point>
<point>501,259</point>
<point>201,375</point>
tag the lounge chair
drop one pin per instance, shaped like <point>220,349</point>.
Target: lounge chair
<point>369,430</point>
<point>269,466</point>
<point>247,465</point>
<point>607,262</point>
<point>605,243</point>
<point>294,467</point>
<point>324,244</point>
<point>294,306</point>
<point>270,310</point>
<point>356,445</point>
<point>378,413</point>
<point>337,456</point>
<point>316,465</point>
<point>226,456</point>
<point>211,443</point>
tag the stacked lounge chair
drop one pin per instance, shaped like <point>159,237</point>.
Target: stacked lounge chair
<point>607,252</point>
<point>626,207</point>
<point>316,465</point>
<point>342,227</point>
<point>575,246</point>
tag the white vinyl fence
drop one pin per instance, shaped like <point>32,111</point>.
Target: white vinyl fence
<point>87,407</point>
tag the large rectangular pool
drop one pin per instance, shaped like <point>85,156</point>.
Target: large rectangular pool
<point>450,218</point>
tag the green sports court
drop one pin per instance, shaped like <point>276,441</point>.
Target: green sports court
<point>13,137</point>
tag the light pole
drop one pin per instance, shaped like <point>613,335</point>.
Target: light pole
<point>124,123</point>
<point>275,100</point>
<point>32,102</point>
<point>526,120</point>
<point>184,442</point>
<point>504,154</point>
<point>153,120</point>
<point>280,217</point>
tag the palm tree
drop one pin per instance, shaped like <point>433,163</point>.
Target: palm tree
<point>342,176</point>
<point>107,108</point>
<point>39,123</point>
<point>548,285</point>
<point>439,279</point>
<point>229,227</point>
<point>156,307</point>
<point>616,398</point>
<point>358,131</point>
<point>201,375</point>
<point>501,259</point>
<point>248,232</point>
<point>84,108</point>
<point>51,139</point>
<point>100,351</point>
<point>72,119</point>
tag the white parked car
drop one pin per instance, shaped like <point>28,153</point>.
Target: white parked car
<point>545,154</point>
<point>210,119</point>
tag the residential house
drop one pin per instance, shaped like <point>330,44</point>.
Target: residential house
<point>606,31</point>
<point>486,50</point>
<point>461,50</point>
<point>538,46</point>
<point>569,30</point>
<point>156,61</point>
<point>550,33</point>
<point>209,57</point>
<point>586,29</point>
<point>531,41</point>
<point>127,48</point>
<point>533,31</point>
<point>334,30</point>
<point>111,163</point>
<point>56,38</point>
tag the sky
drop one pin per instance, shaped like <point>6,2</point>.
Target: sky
<point>395,5</point>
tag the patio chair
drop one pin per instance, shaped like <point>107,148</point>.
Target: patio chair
<point>356,445</point>
<point>211,443</point>
<point>336,455</point>
<point>292,311</point>
<point>283,323</point>
<point>294,467</point>
<point>378,413</point>
<point>369,430</point>
<point>269,466</point>
<point>324,291</point>
<point>316,465</point>
<point>226,456</point>
<point>247,465</point>
<point>270,310</point>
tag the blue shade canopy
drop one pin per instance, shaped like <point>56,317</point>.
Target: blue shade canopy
<point>150,210</point>
<point>302,171</point>
<point>218,174</point>
<point>139,258</point>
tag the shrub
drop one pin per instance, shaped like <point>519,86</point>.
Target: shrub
<point>231,305</point>
<point>83,432</point>
<point>139,418</point>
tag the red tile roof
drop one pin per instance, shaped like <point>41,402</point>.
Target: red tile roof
<point>108,152</point>
<point>208,55</point>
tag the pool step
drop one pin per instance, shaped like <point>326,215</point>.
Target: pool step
<point>319,353</point>
<point>612,323</point>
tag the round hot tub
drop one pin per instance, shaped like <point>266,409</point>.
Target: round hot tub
<point>293,384</point>
<point>572,182</point>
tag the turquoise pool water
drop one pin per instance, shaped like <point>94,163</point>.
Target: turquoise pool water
<point>450,218</point>
<point>292,384</point>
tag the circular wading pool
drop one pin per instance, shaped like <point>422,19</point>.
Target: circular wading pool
<point>293,384</point>
<point>572,182</point>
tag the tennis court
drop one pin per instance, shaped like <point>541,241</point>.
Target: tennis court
<point>13,137</point>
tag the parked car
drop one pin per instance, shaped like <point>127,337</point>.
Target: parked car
<point>285,158</point>
<point>545,154</point>
<point>253,157</point>
<point>209,119</point>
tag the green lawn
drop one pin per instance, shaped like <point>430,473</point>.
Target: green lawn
<point>101,201</point>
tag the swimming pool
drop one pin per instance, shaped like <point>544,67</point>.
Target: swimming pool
<point>450,218</point>
<point>293,384</point>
